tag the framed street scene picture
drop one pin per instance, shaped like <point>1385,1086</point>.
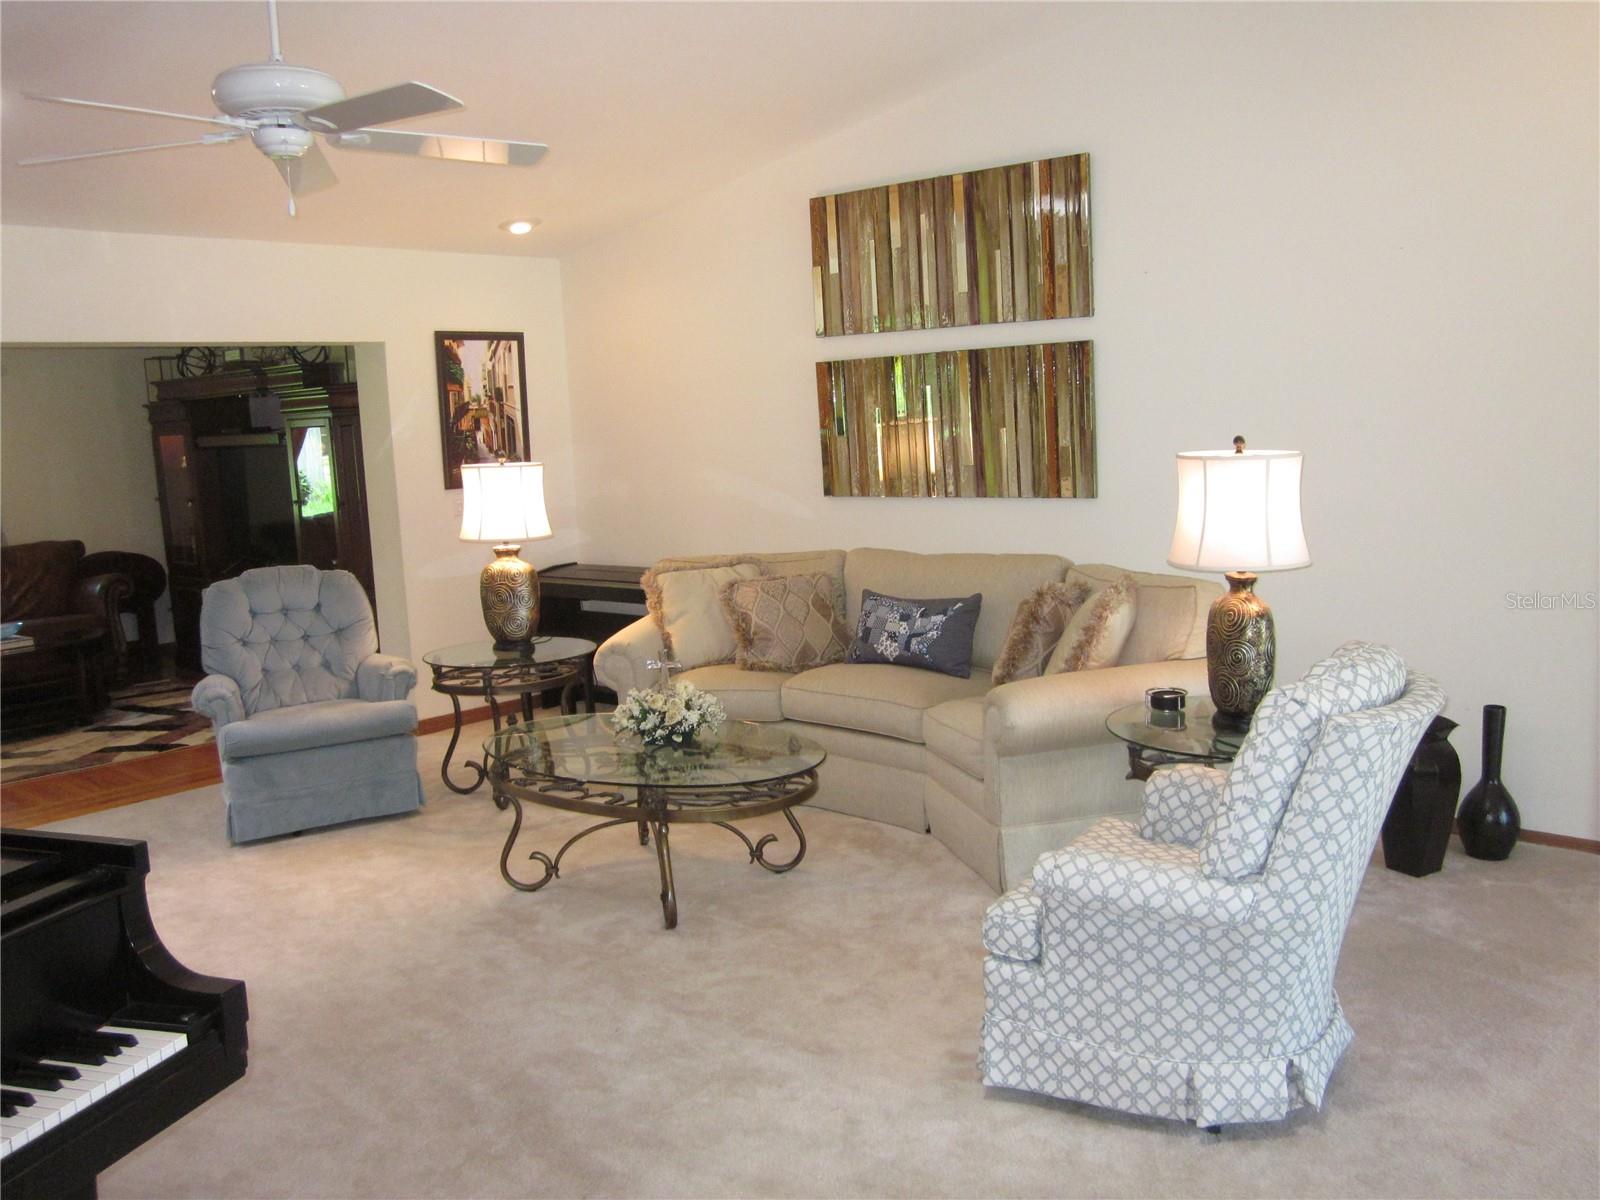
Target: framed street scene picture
<point>483,399</point>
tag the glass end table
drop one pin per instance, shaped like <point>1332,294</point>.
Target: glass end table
<point>1162,739</point>
<point>581,764</point>
<point>478,669</point>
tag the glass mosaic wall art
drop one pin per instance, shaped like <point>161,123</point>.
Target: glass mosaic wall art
<point>1006,421</point>
<point>1002,244</point>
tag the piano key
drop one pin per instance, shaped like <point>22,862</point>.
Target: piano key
<point>14,1097</point>
<point>92,1083</point>
<point>67,1056</point>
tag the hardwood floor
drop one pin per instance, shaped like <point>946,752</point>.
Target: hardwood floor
<point>32,802</point>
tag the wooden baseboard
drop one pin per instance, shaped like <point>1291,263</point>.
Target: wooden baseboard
<point>29,803</point>
<point>442,722</point>
<point>1561,840</point>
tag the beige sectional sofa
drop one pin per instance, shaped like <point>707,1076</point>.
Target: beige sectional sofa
<point>998,774</point>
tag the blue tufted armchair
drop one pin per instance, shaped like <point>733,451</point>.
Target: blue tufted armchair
<point>313,725</point>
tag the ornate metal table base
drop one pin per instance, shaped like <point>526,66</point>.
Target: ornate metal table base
<point>507,674</point>
<point>654,810</point>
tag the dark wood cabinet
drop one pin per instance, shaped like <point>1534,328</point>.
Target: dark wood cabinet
<point>256,469</point>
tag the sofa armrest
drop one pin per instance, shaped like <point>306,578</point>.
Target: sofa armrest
<point>102,596</point>
<point>619,664</point>
<point>385,677</point>
<point>1011,925</point>
<point>1110,867</point>
<point>1179,802</point>
<point>1068,709</point>
<point>218,697</point>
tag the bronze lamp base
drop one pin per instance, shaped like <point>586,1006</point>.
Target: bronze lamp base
<point>1241,651</point>
<point>509,591</point>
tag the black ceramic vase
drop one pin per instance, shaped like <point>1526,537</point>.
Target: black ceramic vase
<point>1488,821</point>
<point>1417,829</point>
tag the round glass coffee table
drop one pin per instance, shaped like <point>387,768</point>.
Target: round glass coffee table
<point>1161,739</point>
<point>580,764</point>
<point>477,669</point>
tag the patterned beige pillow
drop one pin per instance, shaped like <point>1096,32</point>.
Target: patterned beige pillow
<point>786,622</point>
<point>1040,621</point>
<point>1098,630</point>
<point>685,600</point>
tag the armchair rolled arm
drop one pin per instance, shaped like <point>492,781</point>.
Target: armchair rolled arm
<point>1179,802</point>
<point>1011,925</point>
<point>218,697</point>
<point>1068,709</point>
<point>1110,866</point>
<point>619,663</point>
<point>385,677</point>
<point>103,596</point>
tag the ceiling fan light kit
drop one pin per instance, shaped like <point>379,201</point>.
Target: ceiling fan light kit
<point>281,107</point>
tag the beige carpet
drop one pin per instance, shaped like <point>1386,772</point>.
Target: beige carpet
<point>419,1029</point>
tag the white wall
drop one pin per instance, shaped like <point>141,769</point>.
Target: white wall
<point>75,460</point>
<point>1364,231</point>
<point>63,286</point>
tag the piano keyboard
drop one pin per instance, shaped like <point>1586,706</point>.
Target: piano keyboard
<point>44,1092</point>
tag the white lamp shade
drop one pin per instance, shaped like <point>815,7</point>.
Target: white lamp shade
<point>1239,512</point>
<point>503,502</point>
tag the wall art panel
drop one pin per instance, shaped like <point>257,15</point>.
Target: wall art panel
<point>1003,244</point>
<point>1006,421</point>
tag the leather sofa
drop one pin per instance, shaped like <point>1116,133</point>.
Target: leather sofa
<point>998,774</point>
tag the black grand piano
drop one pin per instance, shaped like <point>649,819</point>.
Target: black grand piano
<point>107,1038</point>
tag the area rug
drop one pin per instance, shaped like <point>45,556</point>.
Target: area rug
<point>419,1029</point>
<point>144,720</point>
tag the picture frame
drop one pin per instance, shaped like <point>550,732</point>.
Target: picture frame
<point>483,399</point>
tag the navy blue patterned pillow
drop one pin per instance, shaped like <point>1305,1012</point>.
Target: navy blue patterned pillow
<point>931,635</point>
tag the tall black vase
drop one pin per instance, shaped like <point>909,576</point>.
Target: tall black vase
<point>1416,832</point>
<point>1488,821</point>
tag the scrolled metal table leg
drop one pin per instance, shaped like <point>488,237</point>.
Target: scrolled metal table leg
<point>778,868</point>
<point>656,813</point>
<point>537,856</point>
<point>444,768</point>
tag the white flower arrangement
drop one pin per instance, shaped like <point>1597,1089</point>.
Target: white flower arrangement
<point>674,715</point>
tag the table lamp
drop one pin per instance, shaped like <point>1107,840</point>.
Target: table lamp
<point>1239,513</point>
<point>503,502</point>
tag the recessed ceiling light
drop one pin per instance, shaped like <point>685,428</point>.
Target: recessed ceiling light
<point>520,226</point>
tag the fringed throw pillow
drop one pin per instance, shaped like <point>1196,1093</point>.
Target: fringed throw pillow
<point>685,599</point>
<point>785,622</point>
<point>1040,621</point>
<point>1098,631</point>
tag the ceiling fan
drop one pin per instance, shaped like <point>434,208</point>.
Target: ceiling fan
<point>281,107</point>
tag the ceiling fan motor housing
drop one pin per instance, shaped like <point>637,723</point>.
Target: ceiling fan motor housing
<point>282,141</point>
<point>273,88</point>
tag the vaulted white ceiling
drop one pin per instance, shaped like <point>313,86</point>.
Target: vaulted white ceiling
<point>642,104</point>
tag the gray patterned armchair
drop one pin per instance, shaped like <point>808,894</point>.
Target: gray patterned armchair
<point>1183,967</point>
<point>313,725</point>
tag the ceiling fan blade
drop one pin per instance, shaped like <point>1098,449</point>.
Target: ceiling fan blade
<point>493,151</point>
<point>211,139</point>
<point>307,174</point>
<point>230,122</point>
<point>398,103</point>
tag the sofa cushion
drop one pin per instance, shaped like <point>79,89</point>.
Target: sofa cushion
<point>954,731</point>
<point>1094,637</point>
<point>785,622</point>
<point>931,635</point>
<point>1005,581</point>
<point>1284,732</point>
<point>1040,621</point>
<point>873,697</point>
<point>1171,622</point>
<point>308,726</point>
<point>686,603</point>
<point>745,695</point>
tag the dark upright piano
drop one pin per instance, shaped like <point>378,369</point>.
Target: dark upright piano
<point>107,1038</point>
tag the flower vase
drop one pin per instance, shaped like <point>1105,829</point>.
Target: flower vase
<point>1488,821</point>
